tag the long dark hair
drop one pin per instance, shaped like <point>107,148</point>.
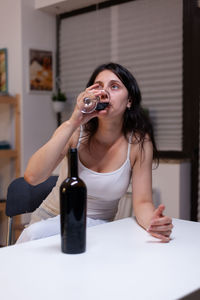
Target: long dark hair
<point>136,119</point>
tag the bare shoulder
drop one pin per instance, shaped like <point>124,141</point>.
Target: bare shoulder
<point>141,152</point>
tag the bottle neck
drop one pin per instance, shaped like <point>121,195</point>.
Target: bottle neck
<point>73,162</point>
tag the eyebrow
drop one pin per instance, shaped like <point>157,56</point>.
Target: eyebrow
<point>111,81</point>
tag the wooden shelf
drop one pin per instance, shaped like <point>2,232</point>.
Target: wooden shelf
<point>13,155</point>
<point>8,153</point>
<point>8,100</point>
<point>2,205</point>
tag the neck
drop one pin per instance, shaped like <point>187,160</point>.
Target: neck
<point>108,131</point>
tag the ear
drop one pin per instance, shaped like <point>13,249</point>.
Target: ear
<point>129,103</point>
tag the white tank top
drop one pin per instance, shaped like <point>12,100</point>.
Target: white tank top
<point>104,190</point>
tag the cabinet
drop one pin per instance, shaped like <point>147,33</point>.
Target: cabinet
<point>13,158</point>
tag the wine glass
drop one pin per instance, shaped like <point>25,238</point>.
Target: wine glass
<point>92,102</point>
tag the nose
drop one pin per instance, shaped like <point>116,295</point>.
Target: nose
<point>105,95</point>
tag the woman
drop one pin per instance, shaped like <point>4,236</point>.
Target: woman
<point>116,146</point>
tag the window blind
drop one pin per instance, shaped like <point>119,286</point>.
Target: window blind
<point>84,44</point>
<point>150,45</point>
<point>146,37</point>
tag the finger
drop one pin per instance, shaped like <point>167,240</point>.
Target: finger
<point>97,93</point>
<point>158,211</point>
<point>91,94</point>
<point>161,237</point>
<point>167,233</point>
<point>89,116</point>
<point>95,85</point>
<point>165,227</point>
<point>164,233</point>
<point>161,221</point>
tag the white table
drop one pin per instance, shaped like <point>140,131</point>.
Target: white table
<point>122,262</point>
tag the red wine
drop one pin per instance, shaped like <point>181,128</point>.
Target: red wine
<point>73,206</point>
<point>102,105</point>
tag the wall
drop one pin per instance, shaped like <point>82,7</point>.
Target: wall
<point>44,3</point>
<point>38,117</point>
<point>171,187</point>
<point>10,21</point>
<point>25,28</point>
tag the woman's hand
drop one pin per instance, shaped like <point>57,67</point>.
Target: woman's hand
<point>80,118</point>
<point>160,226</point>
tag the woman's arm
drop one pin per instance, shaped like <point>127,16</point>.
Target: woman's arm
<point>46,159</point>
<point>147,216</point>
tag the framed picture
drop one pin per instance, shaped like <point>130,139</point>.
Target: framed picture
<point>3,71</point>
<point>40,70</point>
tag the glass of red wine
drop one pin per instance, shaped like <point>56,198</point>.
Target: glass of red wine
<point>91,102</point>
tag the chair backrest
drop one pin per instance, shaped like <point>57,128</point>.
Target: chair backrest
<point>23,197</point>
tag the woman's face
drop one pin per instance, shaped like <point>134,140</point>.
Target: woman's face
<point>109,82</point>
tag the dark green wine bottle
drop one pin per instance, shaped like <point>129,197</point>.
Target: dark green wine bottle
<point>73,207</point>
